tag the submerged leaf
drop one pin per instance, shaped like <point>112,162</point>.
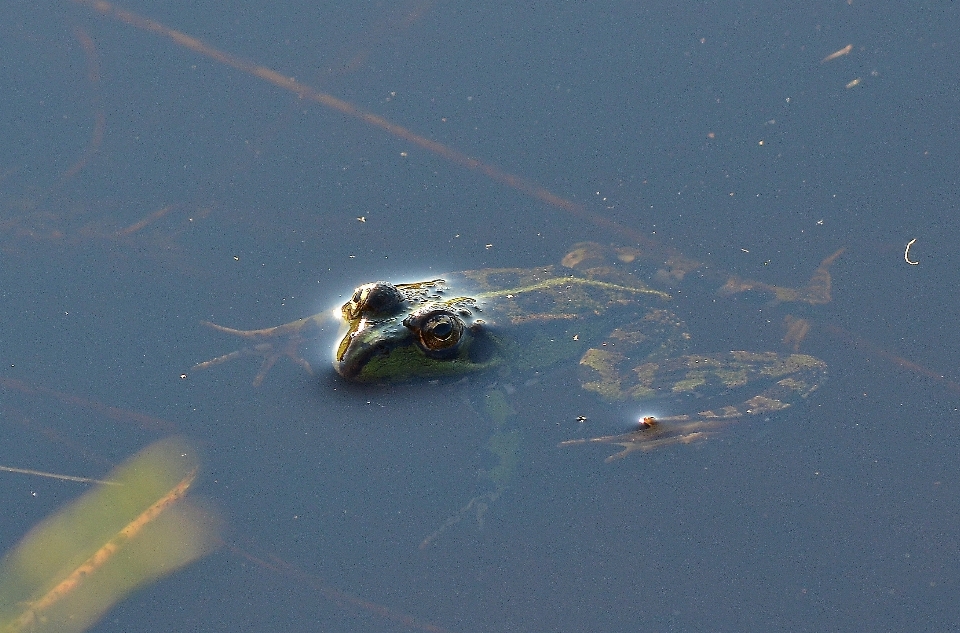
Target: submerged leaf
<point>73,566</point>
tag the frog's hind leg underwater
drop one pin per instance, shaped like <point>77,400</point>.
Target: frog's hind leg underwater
<point>793,378</point>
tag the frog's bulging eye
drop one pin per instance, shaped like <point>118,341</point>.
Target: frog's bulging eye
<point>441,332</point>
<point>371,300</point>
<point>437,330</point>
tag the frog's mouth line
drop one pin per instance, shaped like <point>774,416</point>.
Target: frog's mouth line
<point>356,355</point>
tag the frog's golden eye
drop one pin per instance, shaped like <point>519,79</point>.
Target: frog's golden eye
<point>370,300</point>
<point>437,330</point>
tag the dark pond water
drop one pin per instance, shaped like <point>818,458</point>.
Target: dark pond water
<point>712,129</point>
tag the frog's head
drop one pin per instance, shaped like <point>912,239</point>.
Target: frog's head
<point>406,331</point>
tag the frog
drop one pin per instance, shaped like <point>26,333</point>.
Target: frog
<point>596,308</point>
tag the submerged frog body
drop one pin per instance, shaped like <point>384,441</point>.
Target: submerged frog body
<point>592,309</point>
<point>595,309</point>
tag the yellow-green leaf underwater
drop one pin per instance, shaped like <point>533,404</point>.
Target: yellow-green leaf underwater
<point>76,564</point>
